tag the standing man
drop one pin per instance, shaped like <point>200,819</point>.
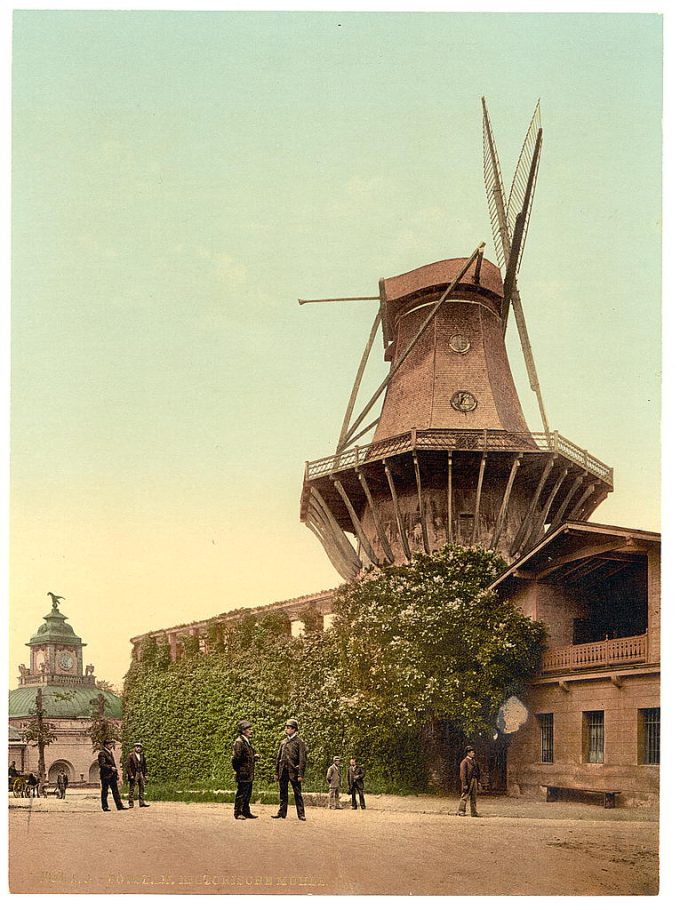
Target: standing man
<point>108,773</point>
<point>355,783</point>
<point>290,766</point>
<point>333,779</point>
<point>469,782</point>
<point>136,774</point>
<point>62,784</point>
<point>243,758</point>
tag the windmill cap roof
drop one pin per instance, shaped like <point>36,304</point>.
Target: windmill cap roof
<point>437,275</point>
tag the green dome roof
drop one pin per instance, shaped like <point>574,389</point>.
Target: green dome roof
<point>21,701</point>
<point>55,629</point>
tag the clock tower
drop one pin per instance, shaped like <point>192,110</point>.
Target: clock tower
<point>56,652</point>
<point>69,691</point>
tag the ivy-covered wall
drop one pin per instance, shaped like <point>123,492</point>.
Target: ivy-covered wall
<point>418,659</point>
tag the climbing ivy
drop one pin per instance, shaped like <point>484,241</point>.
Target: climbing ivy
<point>413,651</point>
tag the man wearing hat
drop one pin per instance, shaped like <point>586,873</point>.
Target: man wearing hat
<point>290,766</point>
<point>136,774</point>
<point>243,758</point>
<point>469,781</point>
<point>333,779</point>
<point>108,774</point>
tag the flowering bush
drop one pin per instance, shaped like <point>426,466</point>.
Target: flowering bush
<point>417,656</point>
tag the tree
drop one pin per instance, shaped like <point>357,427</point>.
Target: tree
<point>428,647</point>
<point>40,732</point>
<point>102,729</point>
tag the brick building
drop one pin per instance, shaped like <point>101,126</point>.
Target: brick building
<point>594,717</point>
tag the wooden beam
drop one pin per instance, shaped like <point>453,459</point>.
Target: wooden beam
<point>586,493</point>
<point>478,497</point>
<point>397,512</point>
<point>557,520</point>
<point>354,518</point>
<point>421,509</point>
<point>338,533</point>
<point>589,508</point>
<point>319,525</point>
<point>583,553</point>
<point>615,569</point>
<point>581,570</point>
<point>358,435</point>
<point>342,441</point>
<point>376,519</point>
<point>331,552</point>
<point>538,529</point>
<point>504,505</point>
<point>521,535</point>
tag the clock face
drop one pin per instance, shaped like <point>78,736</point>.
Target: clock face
<point>65,660</point>
<point>464,401</point>
<point>459,343</point>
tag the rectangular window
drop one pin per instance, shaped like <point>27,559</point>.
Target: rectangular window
<point>650,736</point>
<point>593,729</point>
<point>546,724</point>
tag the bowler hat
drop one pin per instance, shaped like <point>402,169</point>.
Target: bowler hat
<point>244,725</point>
<point>138,744</point>
<point>291,722</point>
<point>336,758</point>
<point>469,749</point>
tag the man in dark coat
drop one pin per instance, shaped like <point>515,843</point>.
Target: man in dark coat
<point>469,782</point>
<point>355,783</point>
<point>62,784</point>
<point>135,768</point>
<point>243,758</point>
<point>108,774</point>
<point>290,766</point>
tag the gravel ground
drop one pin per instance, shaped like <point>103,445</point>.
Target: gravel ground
<point>400,845</point>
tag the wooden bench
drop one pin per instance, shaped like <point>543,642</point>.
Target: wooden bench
<point>608,796</point>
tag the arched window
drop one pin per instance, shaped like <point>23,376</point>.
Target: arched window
<point>60,766</point>
<point>93,773</point>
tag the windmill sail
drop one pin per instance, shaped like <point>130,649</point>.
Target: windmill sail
<point>522,178</point>
<point>495,193</point>
<point>508,216</point>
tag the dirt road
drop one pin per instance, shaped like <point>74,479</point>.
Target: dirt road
<point>401,848</point>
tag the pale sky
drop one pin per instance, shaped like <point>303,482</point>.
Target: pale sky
<point>180,179</point>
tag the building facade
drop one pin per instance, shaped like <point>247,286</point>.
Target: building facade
<point>594,709</point>
<point>68,688</point>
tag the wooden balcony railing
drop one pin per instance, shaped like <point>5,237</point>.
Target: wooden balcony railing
<point>609,653</point>
<point>453,440</point>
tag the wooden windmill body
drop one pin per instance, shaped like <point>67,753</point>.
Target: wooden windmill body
<point>452,460</point>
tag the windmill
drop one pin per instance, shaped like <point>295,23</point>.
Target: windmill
<point>451,459</point>
<point>510,223</point>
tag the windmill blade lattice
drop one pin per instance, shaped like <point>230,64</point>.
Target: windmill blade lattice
<point>495,193</point>
<point>520,180</point>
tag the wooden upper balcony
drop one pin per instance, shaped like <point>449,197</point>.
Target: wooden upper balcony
<point>613,652</point>
<point>465,440</point>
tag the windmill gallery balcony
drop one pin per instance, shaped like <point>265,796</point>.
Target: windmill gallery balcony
<point>612,652</point>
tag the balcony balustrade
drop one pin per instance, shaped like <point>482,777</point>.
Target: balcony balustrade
<point>454,440</point>
<point>609,653</point>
